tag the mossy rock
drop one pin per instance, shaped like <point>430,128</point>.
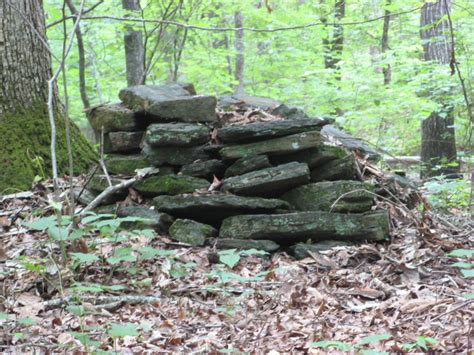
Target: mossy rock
<point>244,244</point>
<point>275,146</point>
<point>158,156</point>
<point>111,117</point>
<point>304,250</point>
<point>302,226</point>
<point>259,131</point>
<point>169,185</point>
<point>339,169</point>
<point>314,157</point>
<point>332,196</point>
<point>122,142</point>
<point>248,164</point>
<point>176,134</point>
<point>191,232</point>
<point>205,169</point>
<point>268,182</point>
<point>125,164</point>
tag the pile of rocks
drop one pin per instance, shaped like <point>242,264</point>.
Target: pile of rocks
<point>257,185</point>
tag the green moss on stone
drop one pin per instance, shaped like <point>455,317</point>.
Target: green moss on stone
<point>125,164</point>
<point>169,185</point>
<point>191,232</point>
<point>25,149</point>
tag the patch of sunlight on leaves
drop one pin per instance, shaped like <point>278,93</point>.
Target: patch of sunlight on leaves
<point>123,330</point>
<point>326,344</point>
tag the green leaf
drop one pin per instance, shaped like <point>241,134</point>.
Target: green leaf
<point>325,344</point>
<point>42,223</point>
<point>229,257</point>
<point>462,253</point>
<point>468,296</point>
<point>467,273</point>
<point>149,252</point>
<point>85,339</point>
<point>85,258</point>
<point>56,233</point>
<point>373,352</point>
<point>26,321</point>
<point>374,338</point>
<point>249,252</point>
<point>3,316</point>
<point>123,330</point>
<point>461,265</point>
<point>425,342</point>
<point>77,310</point>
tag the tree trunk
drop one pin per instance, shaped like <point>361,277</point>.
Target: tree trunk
<point>438,143</point>
<point>386,69</point>
<point>239,49</point>
<point>134,50</point>
<point>333,46</point>
<point>25,68</point>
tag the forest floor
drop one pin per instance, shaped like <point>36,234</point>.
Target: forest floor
<point>406,295</point>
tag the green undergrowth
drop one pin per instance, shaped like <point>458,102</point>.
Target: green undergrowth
<point>25,148</point>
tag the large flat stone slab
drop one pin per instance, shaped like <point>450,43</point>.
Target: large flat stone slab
<point>268,182</point>
<point>257,131</point>
<point>122,142</point>
<point>303,226</point>
<point>314,157</point>
<point>248,164</point>
<point>332,196</point>
<point>169,185</point>
<point>174,155</point>
<point>125,164</point>
<point>212,208</point>
<point>244,244</point>
<point>176,134</point>
<point>111,117</point>
<point>282,145</point>
<point>169,102</point>
<point>206,169</point>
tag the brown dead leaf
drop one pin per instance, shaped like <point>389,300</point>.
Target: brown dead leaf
<point>322,260</point>
<point>418,305</point>
<point>366,292</point>
<point>216,183</point>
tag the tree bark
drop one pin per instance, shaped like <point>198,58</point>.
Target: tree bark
<point>25,68</point>
<point>239,49</point>
<point>438,142</point>
<point>82,59</point>
<point>134,49</point>
<point>386,69</point>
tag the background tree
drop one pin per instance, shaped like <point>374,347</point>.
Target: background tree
<point>240,53</point>
<point>438,143</point>
<point>25,68</point>
<point>134,49</point>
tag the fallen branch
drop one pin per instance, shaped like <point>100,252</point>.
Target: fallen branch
<point>109,191</point>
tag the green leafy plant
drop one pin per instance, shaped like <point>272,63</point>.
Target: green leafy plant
<point>423,343</point>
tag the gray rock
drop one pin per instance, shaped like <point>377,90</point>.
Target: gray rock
<point>282,145</point>
<point>303,226</point>
<point>158,156</point>
<point>205,169</point>
<point>112,117</point>
<point>335,135</point>
<point>291,113</point>
<point>212,208</point>
<point>125,164</point>
<point>248,164</point>
<point>303,250</point>
<point>191,232</point>
<point>169,102</point>
<point>121,142</point>
<point>268,182</point>
<point>244,244</point>
<point>351,196</point>
<point>169,185</point>
<point>339,169</point>
<point>246,101</point>
<point>314,157</point>
<point>258,131</point>
<point>176,134</point>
